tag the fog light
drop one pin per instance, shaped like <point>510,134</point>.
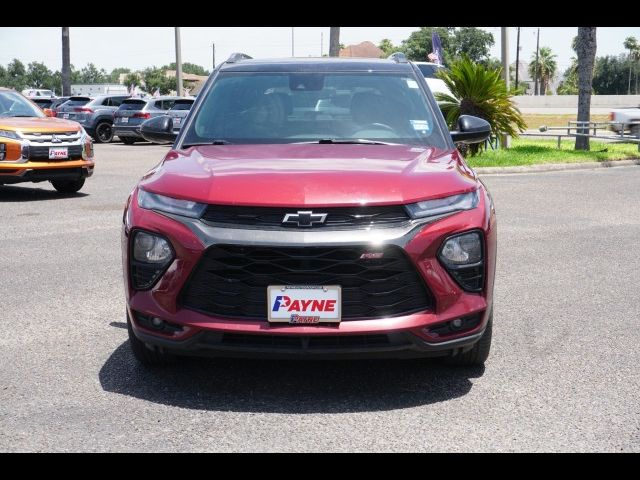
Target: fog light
<point>151,248</point>
<point>156,322</point>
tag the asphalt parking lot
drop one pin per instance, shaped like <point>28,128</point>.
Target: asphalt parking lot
<point>563,375</point>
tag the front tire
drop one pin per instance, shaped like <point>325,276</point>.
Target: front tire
<point>104,132</point>
<point>145,355</point>
<point>478,353</point>
<point>68,186</point>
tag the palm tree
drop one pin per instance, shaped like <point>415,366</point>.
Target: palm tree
<point>586,49</point>
<point>480,92</point>
<point>631,44</point>
<point>66,63</point>
<point>334,41</point>
<point>546,68</point>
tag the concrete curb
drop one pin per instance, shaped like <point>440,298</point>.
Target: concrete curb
<point>551,167</point>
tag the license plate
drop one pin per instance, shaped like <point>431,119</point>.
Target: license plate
<point>58,153</point>
<point>304,304</point>
<point>65,115</point>
<point>124,120</point>
<point>177,121</point>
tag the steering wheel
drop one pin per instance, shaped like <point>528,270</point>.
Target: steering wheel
<point>377,126</point>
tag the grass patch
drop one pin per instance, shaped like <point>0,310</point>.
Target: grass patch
<point>535,152</point>
<point>536,120</point>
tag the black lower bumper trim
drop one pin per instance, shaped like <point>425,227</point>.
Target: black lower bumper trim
<point>379,345</point>
<point>48,174</point>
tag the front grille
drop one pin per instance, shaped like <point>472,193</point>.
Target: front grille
<point>47,137</point>
<point>337,217</point>
<point>232,281</point>
<point>42,152</point>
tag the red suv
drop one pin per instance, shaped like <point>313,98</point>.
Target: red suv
<point>315,208</point>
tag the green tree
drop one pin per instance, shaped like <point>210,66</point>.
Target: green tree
<point>631,44</point>
<point>114,76</point>
<point>480,92</point>
<point>155,79</point>
<point>39,76</point>
<point>473,42</point>
<point>90,74</point>
<point>132,79</point>
<point>388,47</point>
<point>187,67</point>
<point>419,44</point>
<point>16,76</point>
<point>546,68</point>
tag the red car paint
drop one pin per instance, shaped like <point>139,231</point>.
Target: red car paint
<point>309,176</point>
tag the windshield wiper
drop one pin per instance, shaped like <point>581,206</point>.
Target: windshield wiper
<point>212,142</point>
<point>346,141</point>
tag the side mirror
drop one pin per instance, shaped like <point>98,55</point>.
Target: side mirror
<point>158,130</point>
<point>471,130</point>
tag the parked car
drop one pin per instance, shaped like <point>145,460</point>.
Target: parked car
<point>36,148</point>
<point>38,92</point>
<point>179,112</point>
<point>67,110</point>
<point>429,70</point>
<point>49,105</point>
<point>134,111</point>
<point>96,115</point>
<point>275,228</point>
<point>629,119</point>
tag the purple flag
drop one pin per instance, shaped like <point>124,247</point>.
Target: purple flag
<point>437,55</point>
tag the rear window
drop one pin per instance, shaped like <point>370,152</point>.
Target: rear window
<point>182,105</point>
<point>77,102</point>
<point>132,105</point>
<point>42,102</point>
<point>429,71</point>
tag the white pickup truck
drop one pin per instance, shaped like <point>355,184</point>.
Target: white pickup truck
<point>628,116</point>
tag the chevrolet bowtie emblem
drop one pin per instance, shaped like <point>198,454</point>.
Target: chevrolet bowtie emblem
<point>304,218</point>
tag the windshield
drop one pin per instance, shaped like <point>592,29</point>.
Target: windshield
<point>14,105</point>
<point>266,107</point>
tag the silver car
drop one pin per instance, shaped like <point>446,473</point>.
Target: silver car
<point>179,112</point>
<point>134,111</point>
<point>95,115</point>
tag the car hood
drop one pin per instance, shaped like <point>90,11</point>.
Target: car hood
<point>310,175</point>
<point>36,124</point>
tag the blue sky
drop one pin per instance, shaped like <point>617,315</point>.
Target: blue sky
<point>140,47</point>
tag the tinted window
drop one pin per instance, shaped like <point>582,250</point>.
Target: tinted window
<point>429,71</point>
<point>247,107</point>
<point>14,105</point>
<point>132,105</point>
<point>116,101</point>
<point>42,102</point>
<point>182,105</point>
<point>76,102</point>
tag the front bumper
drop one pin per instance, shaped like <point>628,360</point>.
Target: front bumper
<point>399,336</point>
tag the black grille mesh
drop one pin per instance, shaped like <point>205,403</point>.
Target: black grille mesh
<point>232,281</point>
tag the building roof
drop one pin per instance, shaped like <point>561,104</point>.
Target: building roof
<point>362,50</point>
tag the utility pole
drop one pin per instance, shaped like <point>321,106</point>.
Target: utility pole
<point>504,39</point>
<point>517,56</point>
<point>178,62</point>
<point>322,46</point>
<point>292,43</point>
<point>334,41</point>
<point>213,47</point>
<point>535,87</point>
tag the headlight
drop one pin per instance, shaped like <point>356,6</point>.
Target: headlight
<point>463,257</point>
<point>439,206</point>
<point>9,134</point>
<point>151,254</point>
<point>187,208</point>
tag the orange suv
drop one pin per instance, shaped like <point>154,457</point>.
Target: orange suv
<point>37,148</point>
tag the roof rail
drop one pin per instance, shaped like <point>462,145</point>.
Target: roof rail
<point>237,56</point>
<point>398,57</point>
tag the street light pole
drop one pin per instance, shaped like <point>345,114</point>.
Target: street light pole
<point>292,43</point>
<point>178,62</point>
<point>213,47</point>
<point>535,87</point>
<point>517,57</point>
